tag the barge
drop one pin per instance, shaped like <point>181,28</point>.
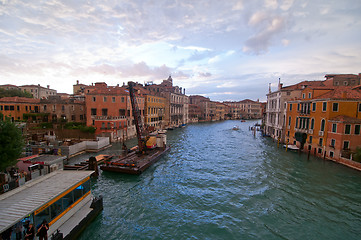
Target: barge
<point>134,163</point>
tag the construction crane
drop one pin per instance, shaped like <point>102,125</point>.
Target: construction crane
<point>139,126</point>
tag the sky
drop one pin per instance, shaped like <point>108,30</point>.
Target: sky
<point>225,50</point>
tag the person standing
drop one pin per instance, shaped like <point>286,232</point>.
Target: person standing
<point>30,232</point>
<point>43,231</point>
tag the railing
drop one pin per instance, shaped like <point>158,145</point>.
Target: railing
<point>108,117</point>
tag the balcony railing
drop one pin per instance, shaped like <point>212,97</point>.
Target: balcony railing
<point>108,117</point>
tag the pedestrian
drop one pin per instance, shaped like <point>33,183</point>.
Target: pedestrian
<point>43,231</point>
<point>19,230</point>
<point>30,232</point>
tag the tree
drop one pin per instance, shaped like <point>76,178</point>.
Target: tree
<point>14,93</point>
<point>11,143</point>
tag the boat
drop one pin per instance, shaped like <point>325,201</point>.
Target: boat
<point>134,163</point>
<point>150,147</point>
<point>62,198</point>
<point>235,128</point>
<point>291,147</point>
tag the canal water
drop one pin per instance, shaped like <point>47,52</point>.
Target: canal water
<point>219,183</point>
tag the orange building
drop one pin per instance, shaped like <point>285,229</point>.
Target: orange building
<point>108,109</point>
<point>16,107</point>
<point>325,121</point>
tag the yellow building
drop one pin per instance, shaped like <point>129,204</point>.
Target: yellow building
<point>311,121</point>
<point>154,111</point>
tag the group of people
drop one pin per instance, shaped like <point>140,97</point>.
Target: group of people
<point>29,233</point>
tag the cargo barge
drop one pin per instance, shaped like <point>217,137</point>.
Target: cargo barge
<point>134,163</point>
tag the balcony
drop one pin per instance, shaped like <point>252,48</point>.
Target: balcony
<point>108,117</point>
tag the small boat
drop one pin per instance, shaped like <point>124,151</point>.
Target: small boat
<point>235,128</point>
<point>291,147</point>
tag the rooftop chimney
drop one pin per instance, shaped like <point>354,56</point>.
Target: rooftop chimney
<point>77,82</point>
<point>48,86</point>
<point>279,84</point>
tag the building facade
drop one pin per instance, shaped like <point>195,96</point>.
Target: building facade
<point>38,91</point>
<point>326,121</point>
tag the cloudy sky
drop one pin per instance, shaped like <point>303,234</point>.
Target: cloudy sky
<point>224,50</point>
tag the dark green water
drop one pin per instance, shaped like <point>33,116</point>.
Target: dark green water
<point>218,183</point>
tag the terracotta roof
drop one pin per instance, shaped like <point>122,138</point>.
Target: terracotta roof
<point>19,100</point>
<point>342,92</point>
<point>109,91</point>
<point>248,101</point>
<point>9,85</point>
<point>345,119</point>
<point>303,84</point>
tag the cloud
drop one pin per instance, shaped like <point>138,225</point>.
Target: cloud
<point>269,26</point>
<point>205,74</point>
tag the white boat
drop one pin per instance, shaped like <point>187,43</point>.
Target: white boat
<point>62,198</point>
<point>291,147</point>
<point>235,128</point>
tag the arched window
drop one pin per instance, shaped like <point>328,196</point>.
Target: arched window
<point>312,123</point>
<point>323,125</point>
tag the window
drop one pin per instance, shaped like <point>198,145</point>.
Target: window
<point>331,154</point>
<point>303,95</point>
<point>121,112</point>
<point>105,99</point>
<point>359,107</point>
<point>18,108</point>
<point>322,125</point>
<point>103,125</point>
<point>94,99</point>
<point>335,107</point>
<point>122,99</point>
<point>324,106</point>
<point>298,107</point>
<point>291,107</point>
<point>104,112</point>
<point>334,127</point>
<point>309,95</point>
<point>313,106</point>
<point>333,141</point>
<point>312,123</point>
<point>357,129</point>
<point>93,111</point>
<point>73,117</point>
<point>347,129</point>
<point>113,99</point>
<point>310,139</point>
<point>44,107</point>
<point>320,141</point>
<point>346,145</point>
<point>289,121</point>
<point>63,108</point>
<point>12,108</point>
